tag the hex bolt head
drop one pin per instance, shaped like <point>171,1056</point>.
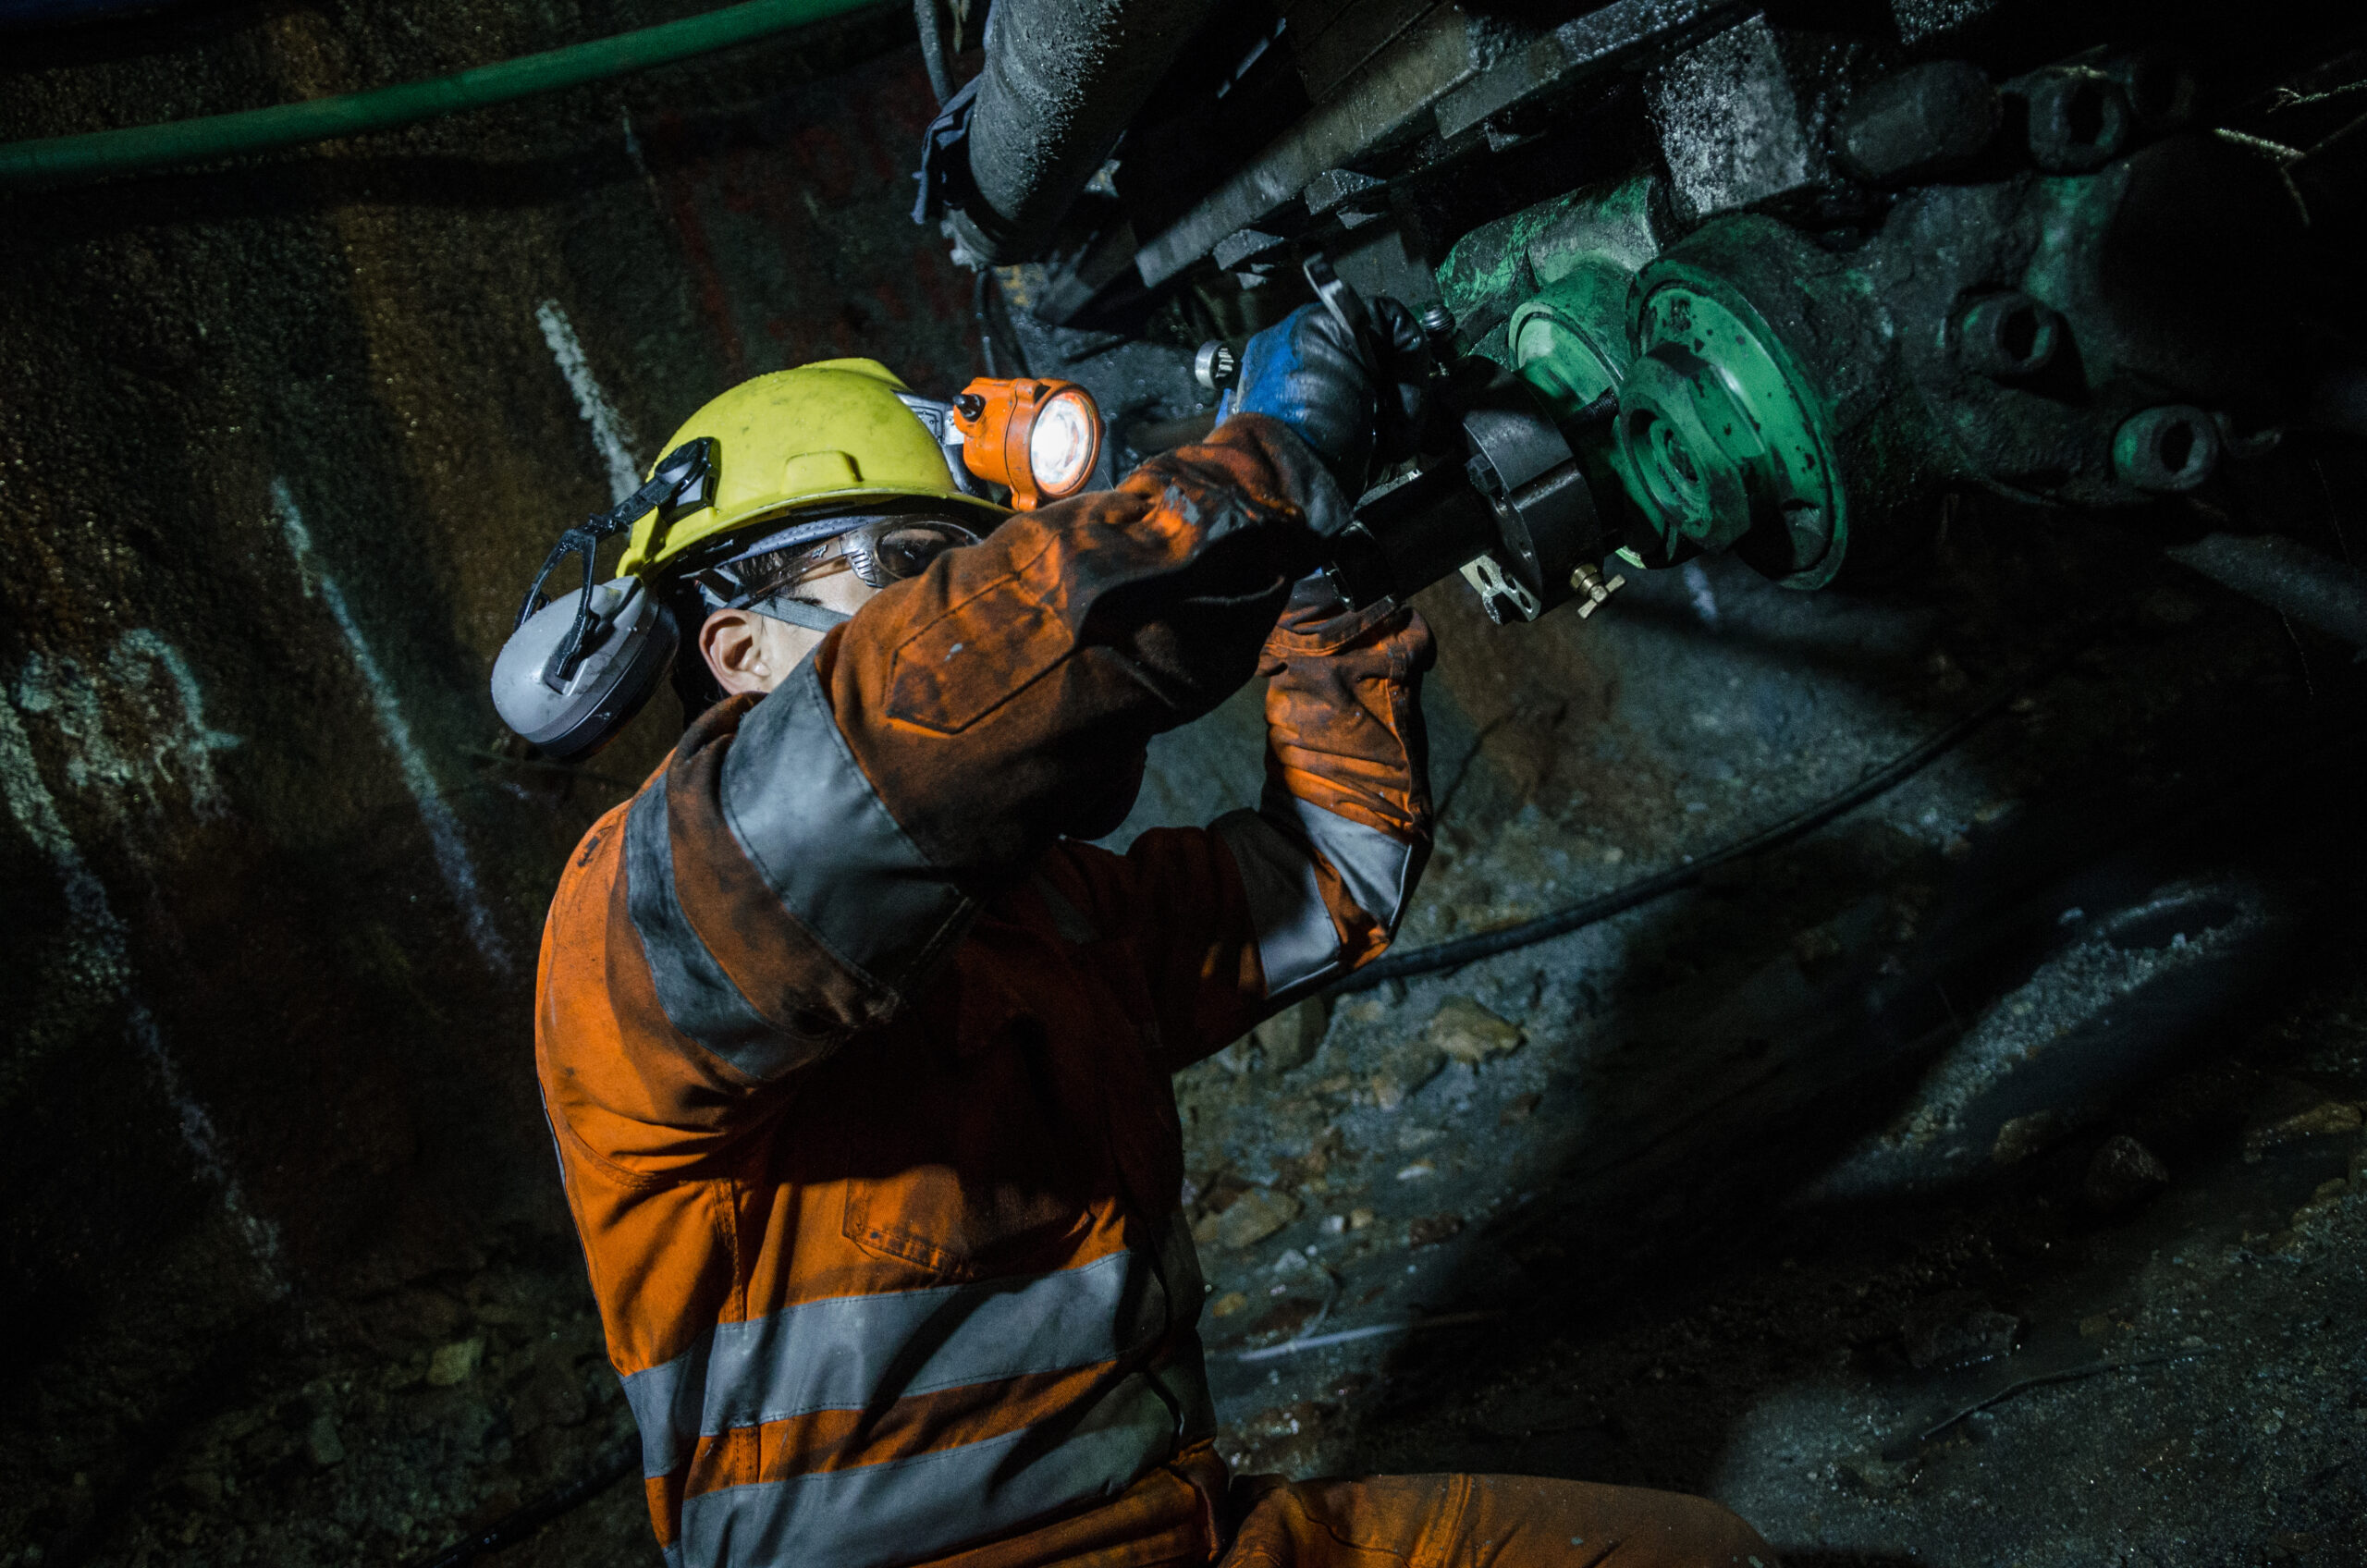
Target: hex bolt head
<point>2078,119</point>
<point>2166,450</point>
<point>2008,336</point>
<point>1925,120</point>
<point>1215,366</point>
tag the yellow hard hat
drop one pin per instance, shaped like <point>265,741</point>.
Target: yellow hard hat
<point>825,434</point>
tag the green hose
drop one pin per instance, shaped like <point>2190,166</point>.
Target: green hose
<point>70,160</point>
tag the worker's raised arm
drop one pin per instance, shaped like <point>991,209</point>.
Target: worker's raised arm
<point>1229,923</point>
<point>1330,855</point>
<point>805,858</point>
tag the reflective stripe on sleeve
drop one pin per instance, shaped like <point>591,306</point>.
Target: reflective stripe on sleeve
<point>699,998</point>
<point>919,1507</point>
<point>1376,868</point>
<point>1298,944</point>
<point>1297,941</point>
<point>864,1353</point>
<point>807,817</point>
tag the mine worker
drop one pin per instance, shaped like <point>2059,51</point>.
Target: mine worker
<point>857,1051</point>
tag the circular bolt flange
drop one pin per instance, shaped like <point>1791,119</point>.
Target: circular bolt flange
<point>1678,423</point>
<point>2167,450</point>
<point>2008,336</point>
<point>2079,120</point>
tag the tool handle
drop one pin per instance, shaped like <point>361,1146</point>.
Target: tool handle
<point>1347,307</point>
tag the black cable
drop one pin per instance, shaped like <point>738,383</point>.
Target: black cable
<point>941,80</point>
<point>1561,922</point>
<point>979,313</point>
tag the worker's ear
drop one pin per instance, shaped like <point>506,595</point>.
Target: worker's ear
<point>739,653</point>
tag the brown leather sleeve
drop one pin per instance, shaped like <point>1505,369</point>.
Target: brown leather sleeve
<point>1005,698</point>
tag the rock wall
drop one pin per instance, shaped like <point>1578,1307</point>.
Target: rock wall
<point>281,444</point>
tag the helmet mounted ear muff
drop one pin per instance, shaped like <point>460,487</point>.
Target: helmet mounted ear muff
<point>577,669</point>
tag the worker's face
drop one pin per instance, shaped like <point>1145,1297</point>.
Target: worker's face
<point>748,652</point>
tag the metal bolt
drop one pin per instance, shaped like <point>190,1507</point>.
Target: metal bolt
<point>1214,367</point>
<point>1587,582</point>
<point>2078,119</point>
<point>2008,336</point>
<point>2167,450</point>
<point>1921,121</point>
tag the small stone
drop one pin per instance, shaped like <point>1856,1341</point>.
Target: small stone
<point>1403,1070</point>
<point>1877,1474</point>
<point>1420,1170</point>
<point>1956,1329</point>
<point>1291,1037</point>
<point>455,1364</point>
<point>1409,1139</point>
<point>321,1443</point>
<point>2123,1174</point>
<point>1432,1228</point>
<point>2026,1135</point>
<point>1284,1319</point>
<point>1333,1224</point>
<point>1228,1304</point>
<point>1358,1219</point>
<point>1469,1033</point>
<point>1254,1216</point>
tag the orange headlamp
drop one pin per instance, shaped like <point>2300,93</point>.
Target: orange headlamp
<point>1038,438</point>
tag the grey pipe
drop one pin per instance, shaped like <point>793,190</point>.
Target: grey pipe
<point>1062,80</point>
<point>2305,584</point>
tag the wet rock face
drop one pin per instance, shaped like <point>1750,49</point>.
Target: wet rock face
<point>275,877</point>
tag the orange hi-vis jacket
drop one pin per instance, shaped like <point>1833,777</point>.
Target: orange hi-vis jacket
<point>857,1060</point>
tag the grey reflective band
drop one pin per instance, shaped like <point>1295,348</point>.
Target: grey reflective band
<point>907,1510</point>
<point>864,1352</point>
<point>808,819</point>
<point>1376,868</point>
<point>1299,945</point>
<point>799,612</point>
<point>698,998</point>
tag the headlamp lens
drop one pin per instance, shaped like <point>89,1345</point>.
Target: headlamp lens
<point>1061,447</point>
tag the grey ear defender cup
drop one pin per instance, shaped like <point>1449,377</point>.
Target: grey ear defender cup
<point>628,643</point>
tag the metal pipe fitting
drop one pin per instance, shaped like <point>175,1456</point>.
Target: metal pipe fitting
<point>2287,576</point>
<point>1063,78</point>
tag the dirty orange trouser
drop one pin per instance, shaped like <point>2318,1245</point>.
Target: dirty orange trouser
<point>1184,1515</point>
<point>1483,1522</point>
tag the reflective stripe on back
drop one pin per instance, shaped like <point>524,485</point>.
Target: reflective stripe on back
<point>806,816</point>
<point>911,1509</point>
<point>699,998</point>
<point>863,1353</point>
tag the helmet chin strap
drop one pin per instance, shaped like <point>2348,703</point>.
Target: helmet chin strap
<point>800,612</point>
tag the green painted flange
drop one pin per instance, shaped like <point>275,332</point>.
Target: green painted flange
<point>1721,437</point>
<point>1569,340</point>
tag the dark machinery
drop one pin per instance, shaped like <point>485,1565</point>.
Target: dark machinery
<point>1720,279</point>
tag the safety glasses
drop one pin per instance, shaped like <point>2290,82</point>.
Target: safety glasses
<point>888,549</point>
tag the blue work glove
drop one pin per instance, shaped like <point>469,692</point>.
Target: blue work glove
<point>1306,372</point>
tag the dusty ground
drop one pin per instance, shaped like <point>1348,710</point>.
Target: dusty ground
<point>1757,1191</point>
